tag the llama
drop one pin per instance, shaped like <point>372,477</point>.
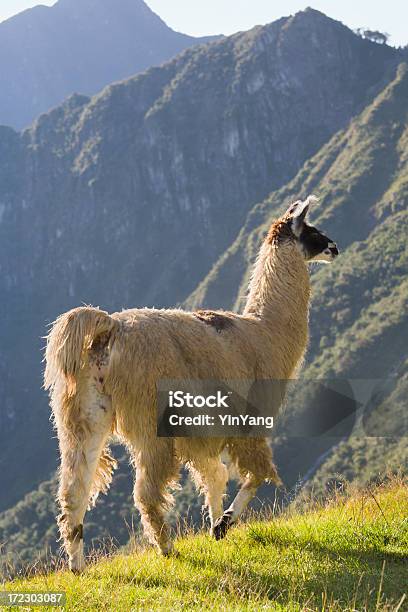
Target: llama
<point>102,372</point>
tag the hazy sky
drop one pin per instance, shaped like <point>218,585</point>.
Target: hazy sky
<point>199,17</point>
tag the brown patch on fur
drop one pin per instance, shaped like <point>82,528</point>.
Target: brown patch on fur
<point>219,320</point>
<point>99,351</point>
<point>70,337</point>
<point>76,534</point>
<point>99,343</point>
<point>279,232</point>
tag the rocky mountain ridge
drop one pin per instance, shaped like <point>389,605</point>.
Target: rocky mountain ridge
<point>48,53</point>
<point>133,197</point>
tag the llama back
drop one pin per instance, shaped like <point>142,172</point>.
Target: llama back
<point>175,344</point>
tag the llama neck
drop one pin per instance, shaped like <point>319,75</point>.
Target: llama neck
<point>279,291</point>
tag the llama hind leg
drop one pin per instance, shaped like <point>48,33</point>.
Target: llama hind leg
<point>211,477</point>
<point>253,458</point>
<point>156,469</point>
<point>86,467</point>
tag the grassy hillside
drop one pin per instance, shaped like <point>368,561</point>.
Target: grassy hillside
<point>28,531</point>
<point>349,554</point>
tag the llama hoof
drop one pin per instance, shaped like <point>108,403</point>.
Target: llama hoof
<point>76,569</point>
<point>222,525</point>
<point>168,550</point>
<point>77,564</point>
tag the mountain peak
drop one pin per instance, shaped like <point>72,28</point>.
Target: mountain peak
<point>132,9</point>
<point>310,15</point>
<point>103,4</point>
<point>99,3</point>
<point>47,53</point>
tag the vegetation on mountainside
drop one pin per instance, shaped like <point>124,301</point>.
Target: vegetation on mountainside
<point>128,198</point>
<point>359,312</point>
<point>361,178</point>
<point>358,321</point>
<point>349,554</point>
<point>161,150</point>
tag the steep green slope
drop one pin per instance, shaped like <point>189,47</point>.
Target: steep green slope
<point>360,177</point>
<point>359,326</point>
<point>127,199</point>
<point>358,320</point>
<point>349,555</point>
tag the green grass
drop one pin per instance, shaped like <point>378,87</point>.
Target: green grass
<point>350,554</point>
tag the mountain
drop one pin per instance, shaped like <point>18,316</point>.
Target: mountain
<point>49,53</point>
<point>359,322</point>
<point>128,198</point>
<point>132,197</point>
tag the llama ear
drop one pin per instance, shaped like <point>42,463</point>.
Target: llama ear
<point>298,211</point>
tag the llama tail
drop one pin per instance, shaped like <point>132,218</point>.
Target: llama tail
<point>71,335</point>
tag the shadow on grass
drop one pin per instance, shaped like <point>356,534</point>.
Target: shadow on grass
<point>376,553</point>
<point>344,576</point>
<point>359,580</point>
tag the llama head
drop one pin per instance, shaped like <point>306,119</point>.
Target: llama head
<point>314,245</point>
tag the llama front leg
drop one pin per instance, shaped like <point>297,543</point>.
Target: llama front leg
<point>156,469</point>
<point>253,458</point>
<point>85,468</point>
<point>211,477</point>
